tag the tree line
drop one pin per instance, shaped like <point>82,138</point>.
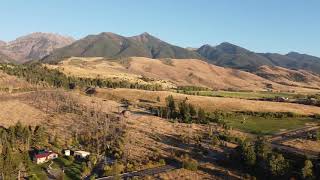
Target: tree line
<point>38,74</point>
<point>15,144</point>
<point>258,158</point>
<point>182,111</point>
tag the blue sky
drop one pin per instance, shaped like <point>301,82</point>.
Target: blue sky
<point>259,25</point>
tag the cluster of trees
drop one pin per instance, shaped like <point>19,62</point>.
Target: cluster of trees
<point>182,110</point>
<point>313,99</point>
<point>188,113</point>
<point>15,144</point>
<point>41,75</point>
<point>259,159</point>
<point>192,88</point>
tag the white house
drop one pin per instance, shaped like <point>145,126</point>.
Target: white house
<point>44,157</point>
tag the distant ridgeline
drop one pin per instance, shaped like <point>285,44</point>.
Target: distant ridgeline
<point>39,74</point>
<point>110,45</point>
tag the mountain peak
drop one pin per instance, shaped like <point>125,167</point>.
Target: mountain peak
<point>39,35</point>
<point>145,34</point>
<point>145,38</point>
<point>206,45</point>
<point>34,46</point>
<point>227,44</point>
<point>293,53</point>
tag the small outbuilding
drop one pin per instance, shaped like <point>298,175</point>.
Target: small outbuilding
<point>81,154</point>
<point>67,152</point>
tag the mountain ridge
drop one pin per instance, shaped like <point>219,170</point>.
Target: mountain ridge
<point>112,45</point>
<point>52,48</point>
<point>229,55</point>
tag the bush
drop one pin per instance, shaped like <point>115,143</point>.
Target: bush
<point>190,164</point>
<point>33,177</point>
<point>162,162</point>
<point>114,170</point>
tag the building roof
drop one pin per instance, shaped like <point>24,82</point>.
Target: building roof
<point>42,155</point>
<point>82,152</point>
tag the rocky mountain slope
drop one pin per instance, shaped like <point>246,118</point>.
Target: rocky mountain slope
<point>5,59</point>
<point>34,46</point>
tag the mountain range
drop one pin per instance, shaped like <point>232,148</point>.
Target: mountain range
<point>113,46</point>
<point>52,48</point>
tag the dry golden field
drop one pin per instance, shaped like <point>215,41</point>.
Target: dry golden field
<point>303,144</point>
<point>209,103</point>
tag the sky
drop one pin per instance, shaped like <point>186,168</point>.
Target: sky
<point>278,26</point>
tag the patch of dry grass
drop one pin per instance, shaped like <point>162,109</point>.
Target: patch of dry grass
<point>11,83</point>
<point>303,144</point>
<point>12,111</point>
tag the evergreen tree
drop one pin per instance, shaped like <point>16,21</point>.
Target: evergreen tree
<point>171,106</point>
<point>248,155</point>
<point>201,115</point>
<point>184,112</point>
<point>307,170</point>
<point>277,165</point>
<point>262,148</point>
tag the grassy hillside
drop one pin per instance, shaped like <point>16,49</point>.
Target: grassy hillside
<point>289,77</point>
<point>229,55</point>
<point>5,59</point>
<point>295,60</point>
<point>172,72</point>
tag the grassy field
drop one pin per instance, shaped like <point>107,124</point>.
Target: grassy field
<point>241,95</point>
<point>38,171</point>
<point>267,126</point>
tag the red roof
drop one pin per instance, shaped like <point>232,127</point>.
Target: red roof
<point>42,155</point>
